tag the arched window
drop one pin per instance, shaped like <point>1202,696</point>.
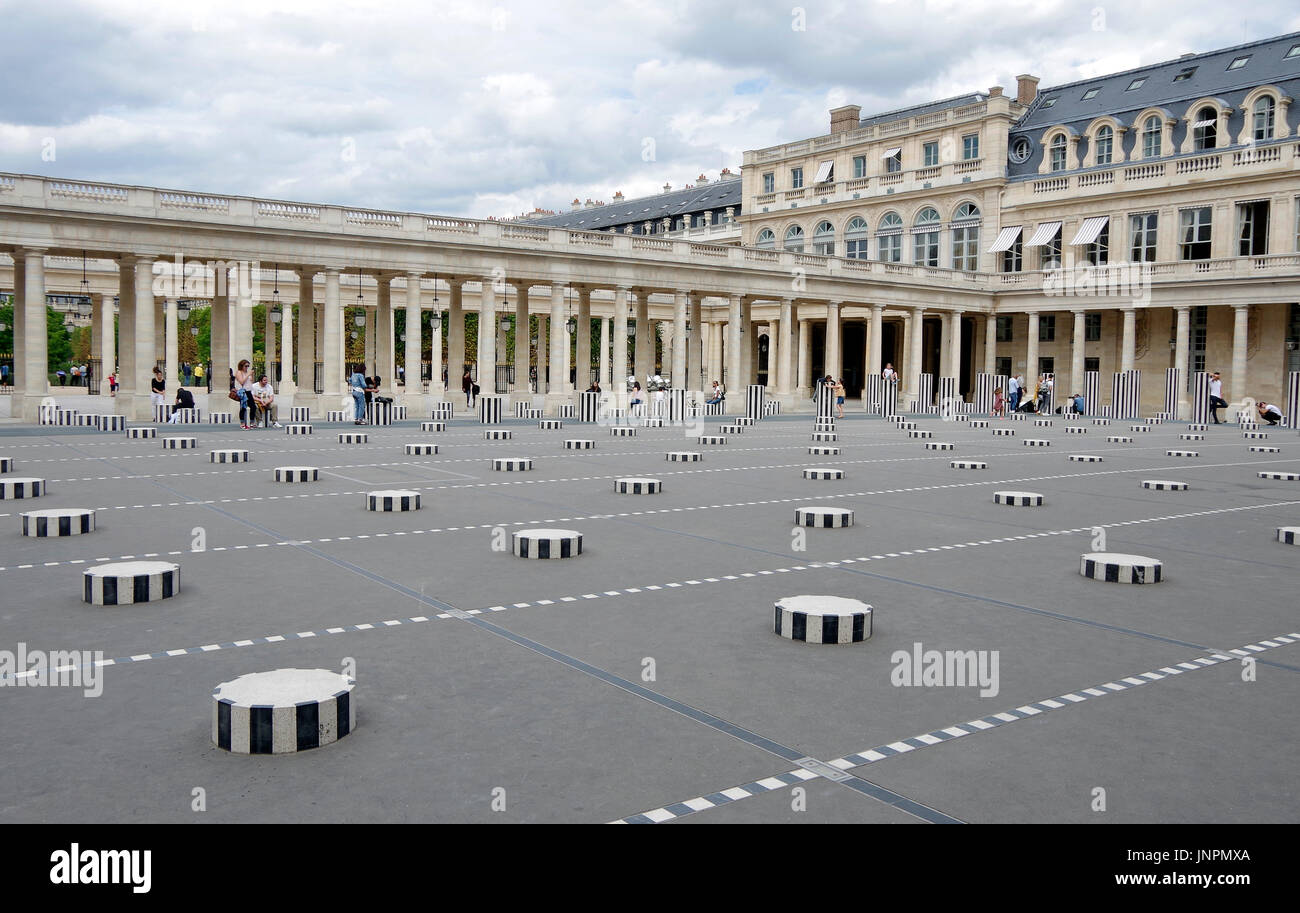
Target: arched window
<point>1057,152</point>
<point>1205,129</point>
<point>794,239</point>
<point>1263,118</point>
<point>1105,146</point>
<point>824,239</point>
<point>855,239</point>
<point>1151,138</point>
<point>925,237</point>
<point>766,239</point>
<point>889,238</point>
<point>966,237</point>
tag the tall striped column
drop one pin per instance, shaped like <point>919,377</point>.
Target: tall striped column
<point>1126,394</point>
<point>949,402</point>
<point>676,405</point>
<point>1091,391</point>
<point>825,403</point>
<point>1172,378</point>
<point>1292,419</point>
<point>924,401</point>
<point>872,394</point>
<point>754,402</point>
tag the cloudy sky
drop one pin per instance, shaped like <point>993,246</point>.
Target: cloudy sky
<point>483,109</point>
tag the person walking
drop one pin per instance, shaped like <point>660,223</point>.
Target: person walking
<point>999,405</point>
<point>1013,393</point>
<point>1217,401</point>
<point>198,374</point>
<point>467,386</point>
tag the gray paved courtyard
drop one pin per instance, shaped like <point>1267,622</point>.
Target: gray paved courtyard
<point>478,670</point>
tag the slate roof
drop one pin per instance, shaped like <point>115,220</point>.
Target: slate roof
<point>917,110</point>
<point>701,198</point>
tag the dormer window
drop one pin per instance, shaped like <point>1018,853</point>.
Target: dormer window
<point>1151,138</point>
<point>1294,52</point>
<point>1238,62</point>
<point>1090,94</point>
<point>1057,152</point>
<point>1105,146</point>
<point>1136,84</point>
<point>1049,103</point>
<point>1205,129</point>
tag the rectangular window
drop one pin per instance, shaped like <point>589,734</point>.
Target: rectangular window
<point>859,166</point>
<point>1058,156</point>
<point>1047,328</point>
<point>825,173</point>
<point>970,146</point>
<point>1090,94</point>
<point>796,178</point>
<point>1092,328</point>
<point>965,247</point>
<point>890,248</point>
<point>769,182</point>
<point>1252,228</point>
<point>1003,367</point>
<point>1004,330</point>
<point>1238,62</point>
<point>1136,84</point>
<point>1098,252</point>
<point>1142,229</point>
<point>1047,365</point>
<point>1151,139</point>
<point>1194,233</point>
<point>1091,364</point>
<point>1013,258</point>
<point>1105,147</point>
<point>1199,328</point>
<point>925,248</point>
<point>930,154</point>
<point>1050,254</point>
<point>894,163</point>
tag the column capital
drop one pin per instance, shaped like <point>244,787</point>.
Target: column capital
<point>1182,308</point>
<point>417,275</point>
<point>1078,311</point>
<point>1238,308</point>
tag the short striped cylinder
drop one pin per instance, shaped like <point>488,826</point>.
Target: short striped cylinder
<point>744,420</point>
<point>1281,476</point>
<point>489,410</point>
<point>6,464</point>
<point>1153,420</point>
<point>421,449</point>
<point>590,403</point>
<point>1164,485</point>
<point>1018,417</point>
<point>905,426</point>
<point>653,421</point>
<point>46,415</point>
<point>283,711</point>
<point>568,410</point>
<point>512,464</point>
<point>87,420</point>
<point>823,619</point>
<point>162,412</point>
<point>1288,535</point>
<point>895,419</point>
<point>378,413</point>
<point>711,439</point>
<point>731,429</point>
<point>433,426</point>
<point>228,456</point>
<point>112,423</point>
<point>1018,498</point>
<point>622,431</point>
<point>824,436</point>
<point>771,407</point>
<point>1197,426</point>
<point>968,464</point>
<point>1139,429</point>
<point>579,444</point>
<point>498,434</point>
<point>130,582</point>
<point>443,411</point>
<point>960,417</point>
<point>297,429</point>
<point>532,413</point>
<point>187,416</point>
<point>920,434</point>
<point>550,424</point>
<point>1036,442</point>
<point>1182,453</point>
<point>1084,458</point>
<point>220,418</point>
<point>67,521</point>
<point>1118,439</point>
<point>337,415</point>
<point>1042,423</point>
<point>638,486</point>
<point>141,432</point>
<point>823,473</point>
<point>393,501</point>
<point>300,413</point>
<point>979,423</point>
<point>354,437</point>
<point>1262,448</point>
<point>1075,429</point>
<point>1191,437</point>
<point>547,543</point>
<point>399,412</point>
<point>67,416</point>
<point>1113,567</point>
<point>297,474</point>
<point>1101,421</point>
<point>179,443</point>
<point>523,409</point>
<point>823,517</point>
<point>1004,432</point>
<point>823,450</point>
<point>1255,435</point>
<point>938,445</point>
<point>683,456</point>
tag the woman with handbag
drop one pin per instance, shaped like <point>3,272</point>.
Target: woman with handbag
<point>241,385</point>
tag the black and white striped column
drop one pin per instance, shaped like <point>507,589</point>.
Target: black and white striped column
<point>1018,498</point>
<point>872,395</point>
<point>1172,378</point>
<point>823,517</point>
<point>498,434</point>
<point>443,411</point>
<point>489,410</point>
<point>579,444</point>
<point>162,412</point>
<point>297,474</point>
<point>1114,567</point>
<point>173,442</point>
<point>676,406</point>
<point>131,582</point>
<point>354,437</point>
<point>547,543</point>
<point>1292,417</point>
<point>144,432</point>
<point>822,474</point>
<point>683,456</point>
<point>512,464</point>
<point>421,449</point>
<point>220,418</point>
<point>754,401</point>
<point>825,402</point>
<point>1126,394</point>
<point>589,405</point>
<point>1201,398</point>
<point>638,486</point>
<point>295,429</point>
<point>283,711</point>
<point>300,413</point>
<point>393,500</point>
<point>949,403</point>
<point>433,426</point>
<point>112,423</point>
<point>924,402</point>
<point>823,619</point>
<point>67,521</point>
<point>1091,392</point>
<point>228,456</point>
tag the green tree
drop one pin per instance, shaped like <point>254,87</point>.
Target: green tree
<point>59,343</point>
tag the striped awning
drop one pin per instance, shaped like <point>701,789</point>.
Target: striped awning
<point>1205,123</point>
<point>1006,237</point>
<point>1045,232</point>
<point>890,153</point>
<point>1090,229</point>
<point>824,172</point>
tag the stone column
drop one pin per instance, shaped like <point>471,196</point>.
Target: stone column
<point>455,333</point>
<point>331,340</point>
<point>20,323</point>
<point>915,332</point>
<point>171,369</point>
<point>803,388</point>
<point>695,346</point>
<point>954,351</point>
<point>735,381</point>
<point>1129,344</point>
<point>160,336</point>
<point>786,348</point>
<point>748,344</point>
<point>605,378</point>
<point>306,335</point>
<point>1182,360</point>
<point>219,344</point>
<point>126,334</point>
<point>1240,326</point>
<point>559,360</point>
<point>618,329</point>
<point>268,340</point>
<point>33,381</point>
<point>877,332</point>
<point>146,342</point>
<point>104,345</point>
<point>991,344</point>
<point>644,357</point>
<point>1076,357</point>
<point>487,337</point>
<point>680,379</point>
<point>384,334</point>
<point>1031,354</point>
<point>371,349</point>
<point>523,343</point>
<point>243,326</point>
<point>833,354</point>
<point>543,345</point>
<point>413,346</point>
<point>582,346</point>
<point>287,385</point>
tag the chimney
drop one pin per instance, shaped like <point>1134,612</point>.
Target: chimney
<point>577,204</point>
<point>667,187</point>
<point>618,196</point>
<point>995,91</point>
<point>726,173</point>
<point>845,118</point>
<point>701,180</point>
<point>1026,89</point>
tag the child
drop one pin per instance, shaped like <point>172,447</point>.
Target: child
<point>997,403</point>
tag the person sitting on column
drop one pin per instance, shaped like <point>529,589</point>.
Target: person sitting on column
<point>357,384</point>
<point>889,374</point>
<point>156,387</point>
<point>636,394</point>
<point>264,397</point>
<point>184,400</point>
<point>719,394</point>
<point>595,387</point>
<point>1270,413</point>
